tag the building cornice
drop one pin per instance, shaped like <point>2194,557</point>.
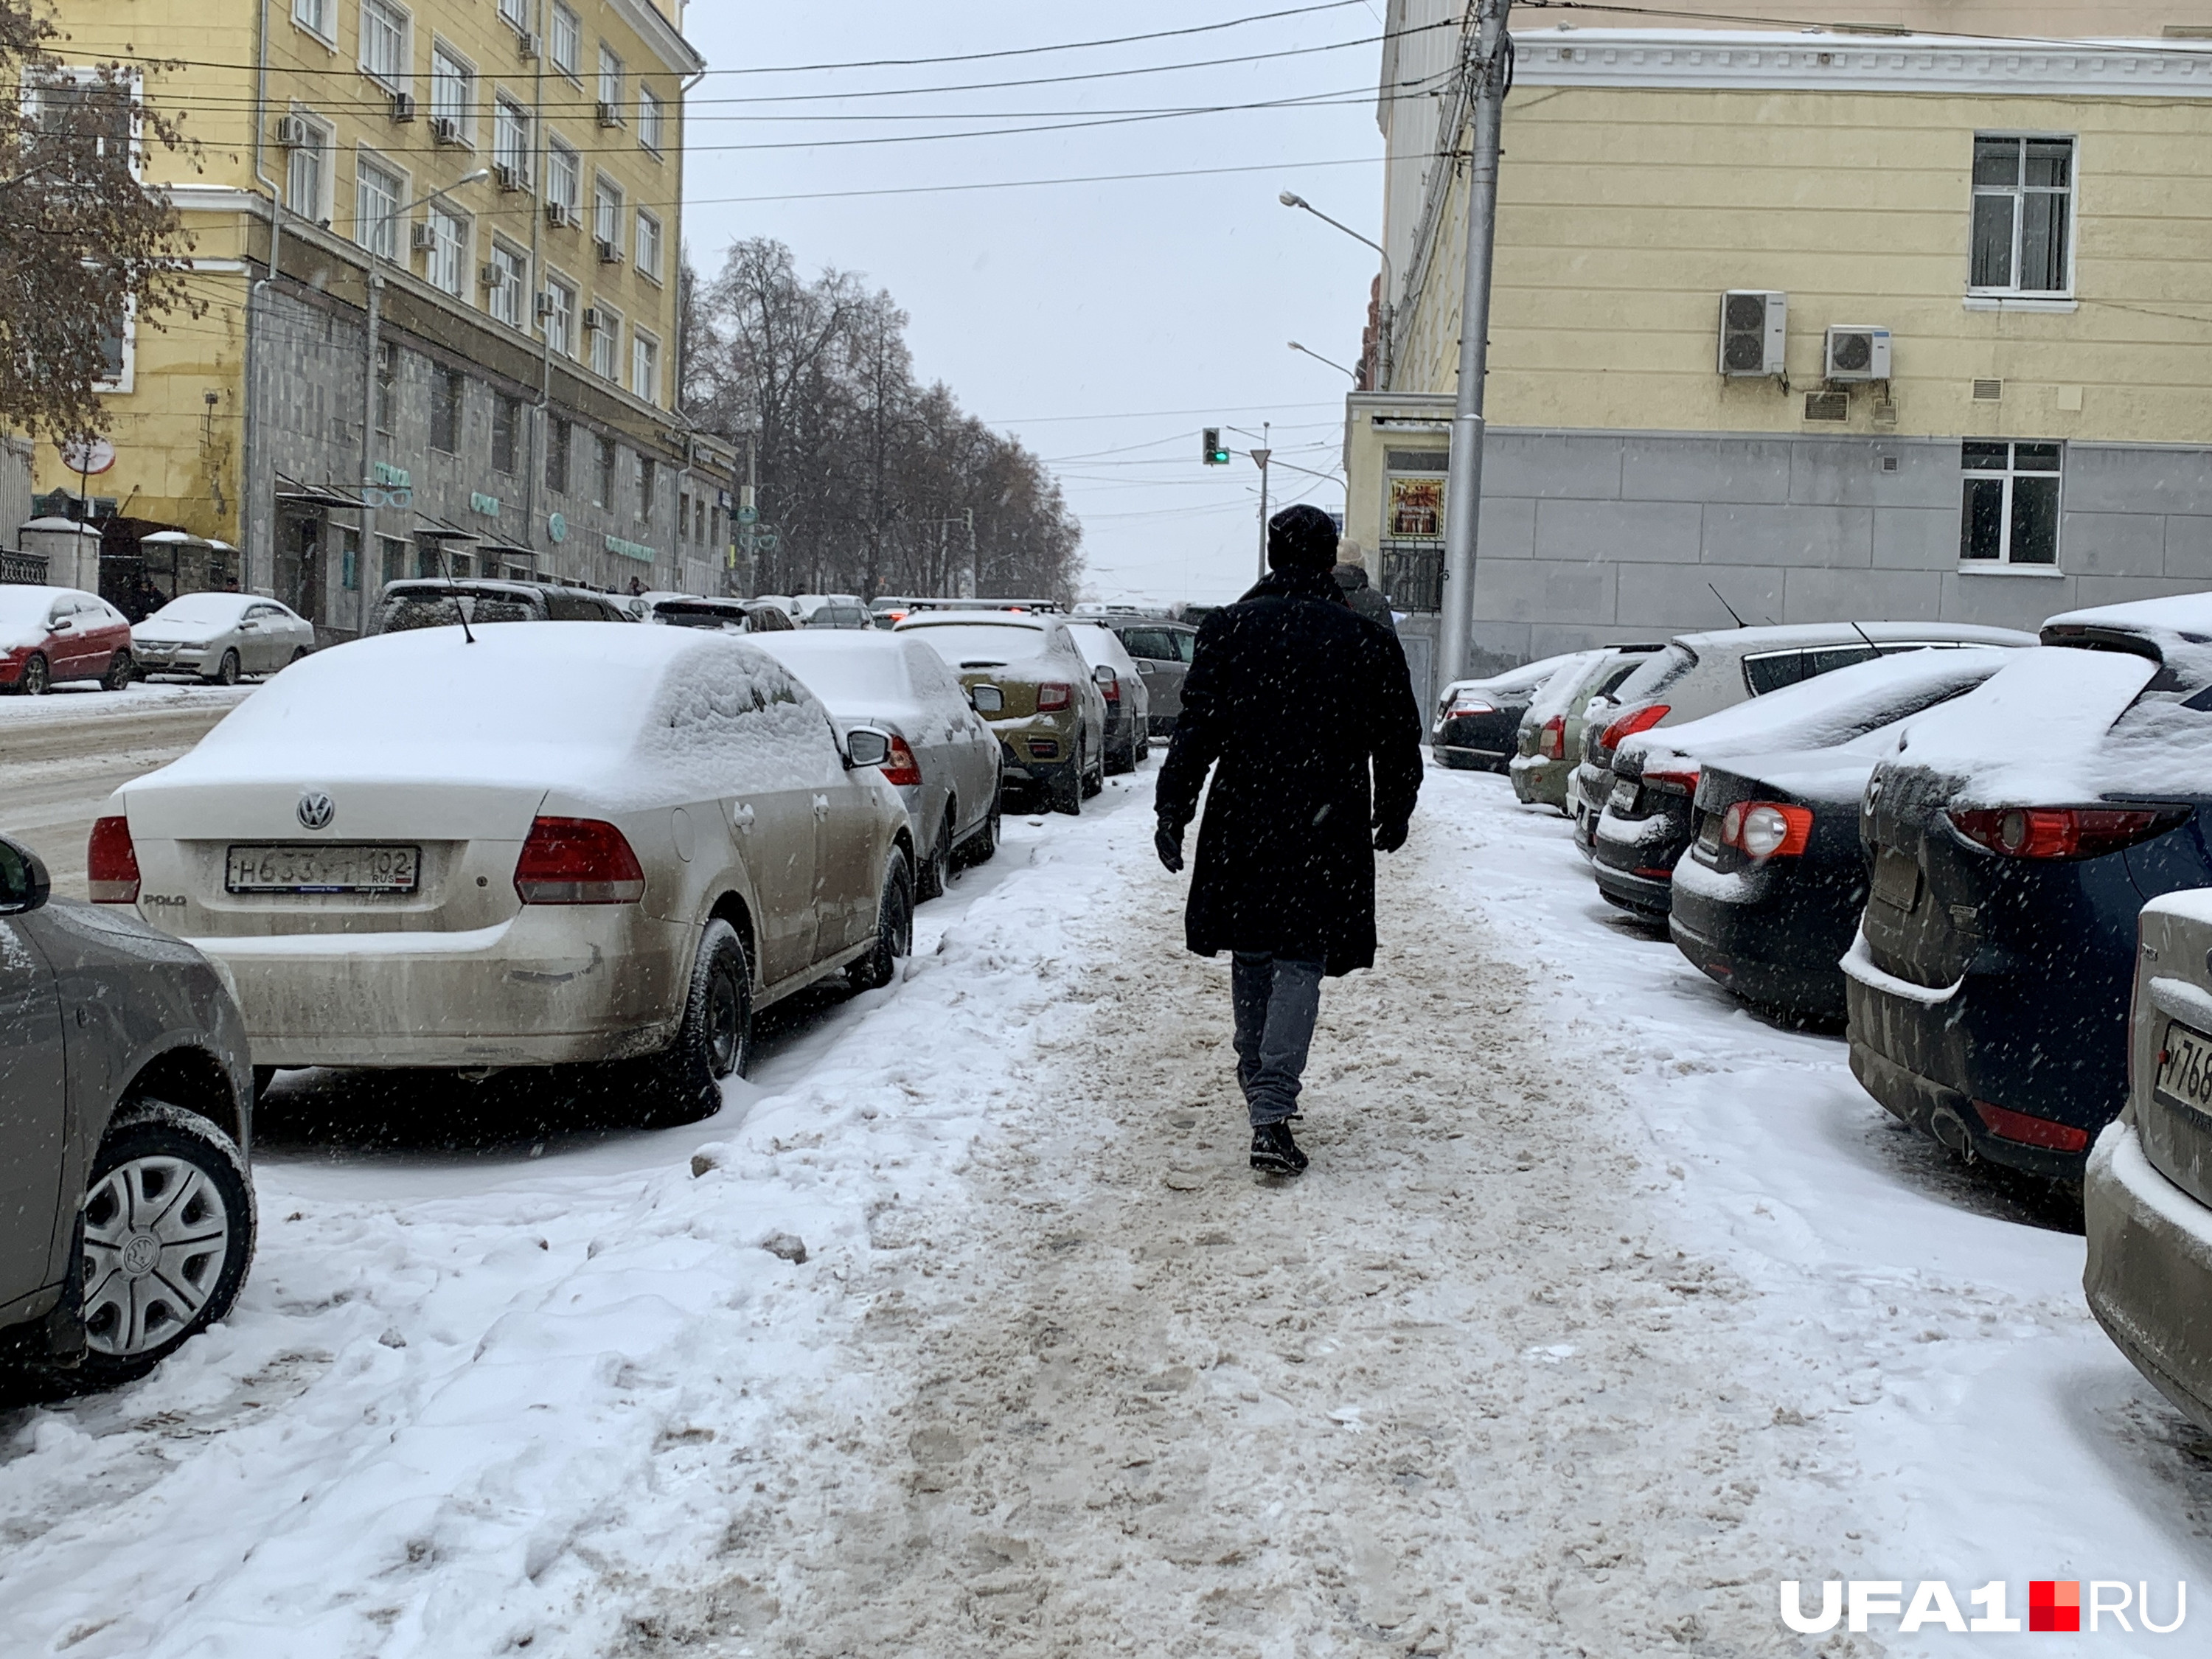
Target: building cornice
<point>675,53</point>
<point>1710,60</point>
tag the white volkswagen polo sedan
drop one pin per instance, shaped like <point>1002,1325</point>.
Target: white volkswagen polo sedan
<point>552,843</point>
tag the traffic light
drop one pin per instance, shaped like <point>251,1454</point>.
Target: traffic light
<point>1215,455</point>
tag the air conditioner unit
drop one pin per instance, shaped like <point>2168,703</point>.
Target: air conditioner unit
<point>594,318</point>
<point>445,129</point>
<point>610,254</point>
<point>558,214</point>
<point>545,306</point>
<point>610,114</point>
<point>402,105</point>
<point>491,275</point>
<point>509,179</point>
<point>423,240</point>
<point>526,45</point>
<point>292,133</point>
<point>1856,353</point>
<point>1754,329</point>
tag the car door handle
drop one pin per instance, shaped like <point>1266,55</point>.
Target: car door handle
<point>821,806</point>
<point>743,817</point>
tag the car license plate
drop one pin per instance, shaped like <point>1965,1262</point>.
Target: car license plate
<point>1709,834</point>
<point>1897,879</point>
<point>2184,1067</point>
<point>336,868</point>
<point>1624,797</point>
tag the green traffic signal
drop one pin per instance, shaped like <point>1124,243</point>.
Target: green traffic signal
<point>1214,454</point>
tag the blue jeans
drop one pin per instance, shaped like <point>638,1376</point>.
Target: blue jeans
<point>1278,1002</point>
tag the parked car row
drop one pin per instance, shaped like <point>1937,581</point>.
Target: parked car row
<point>1987,857</point>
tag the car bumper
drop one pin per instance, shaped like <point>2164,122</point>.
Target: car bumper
<point>1541,782</point>
<point>1646,894</point>
<point>553,985</point>
<point>1766,935</point>
<point>173,658</point>
<point>2148,1278</point>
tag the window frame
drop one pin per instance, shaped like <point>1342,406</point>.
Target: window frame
<point>651,120</point>
<point>556,15</point>
<point>466,120</point>
<point>560,454</point>
<point>507,413</point>
<point>325,152</point>
<point>645,485</point>
<point>608,195</point>
<point>402,79</point>
<point>449,390</point>
<point>441,212</point>
<point>2017,194</point>
<point>646,225</point>
<point>513,134</point>
<point>515,14</point>
<point>387,388</point>
<point>367,161</point>
<point>612,72</point>
<point>573,199</point>
<point>610,331</point>
<point>327,31</point>
<point>645,353</point>
<point>515,283</point>
<point>125,378</point>
<point>606,471</point>
<point>563,344</point>
<point>2009,475</point>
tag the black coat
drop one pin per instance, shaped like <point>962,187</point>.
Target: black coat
<point>1297,698</point>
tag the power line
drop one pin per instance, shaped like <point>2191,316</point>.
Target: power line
<point>1863,29</point>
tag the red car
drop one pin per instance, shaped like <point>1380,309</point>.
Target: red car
<point>52,633</point>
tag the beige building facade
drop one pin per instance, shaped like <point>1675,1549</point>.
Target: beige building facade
<point>509,175</point>
<point>1968,370</point>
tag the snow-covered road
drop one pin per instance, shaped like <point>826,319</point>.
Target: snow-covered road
<point>1604,1308</point>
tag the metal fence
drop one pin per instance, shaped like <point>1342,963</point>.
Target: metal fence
<point>27,568</point>
<point>1414,577</point>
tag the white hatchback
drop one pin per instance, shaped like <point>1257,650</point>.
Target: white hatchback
<point>552,843</point>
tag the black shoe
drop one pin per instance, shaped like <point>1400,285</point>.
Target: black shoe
<point>1274,1151</point>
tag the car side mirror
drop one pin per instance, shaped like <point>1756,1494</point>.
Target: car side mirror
<point>60,625</point>
<point>866,747</point>
<point>1104,674</point>
<point>986,699</point>
<point>24,883</point>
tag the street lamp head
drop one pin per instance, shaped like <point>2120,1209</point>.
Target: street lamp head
<point>1288,198</point>
<point>1295,346</point>
<point>476,178</point>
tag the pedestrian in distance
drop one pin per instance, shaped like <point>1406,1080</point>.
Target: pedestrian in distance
<point>1302,711</point>
<point>1363,596</point>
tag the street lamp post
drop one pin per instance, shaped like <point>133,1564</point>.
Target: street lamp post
<point>374,276</point>
<point>1318,358</point>
<point>1386,310</point>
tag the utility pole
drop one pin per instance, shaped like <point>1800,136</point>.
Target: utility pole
<point>1260,458</point>
<point>1463,480</point>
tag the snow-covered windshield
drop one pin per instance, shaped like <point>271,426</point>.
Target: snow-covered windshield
<point>200,610</point>
<point>1100,646</point>
<point>24,607</point>
<point>989,643</point>
<point>1656,674</point>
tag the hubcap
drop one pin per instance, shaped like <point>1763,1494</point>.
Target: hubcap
<point>156,1236</point>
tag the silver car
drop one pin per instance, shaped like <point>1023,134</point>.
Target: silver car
<point>1128,703</point>
<point>546,843</point>
<point>1162,650</point>
<point>221,637</point>
<point>944,760</point>
<point>126,1094</point>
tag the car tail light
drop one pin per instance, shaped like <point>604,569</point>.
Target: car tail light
<point>1052,697</point>
<point>112,862</point>
<point>1676,779</point>
<point>1110,689</point>
<point>1552,742</point>
<point>2030,1131</point>
<point>577,861</point>
<point>1629,724</point>
<point>1044,749</point>
<point>1464,708</point>
<point>2064,832</point>
<point>1764,829</point>
<point>901,769</point>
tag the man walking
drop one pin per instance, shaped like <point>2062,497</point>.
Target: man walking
<point>1293,699</point>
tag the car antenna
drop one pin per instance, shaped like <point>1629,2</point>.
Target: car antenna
<point>446,559</point>
<point>1868,637</point>
<point>1726,606</point>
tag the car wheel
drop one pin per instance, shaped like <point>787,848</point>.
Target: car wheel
<point>894,930</point>
<point>38,677</point>
<point>1145,749</point>
<point>226,672</point>
<point>1095,779</point>
<point>936,868</point>
<point>121,671</point>
<point>716,1039</point>
<point>981,846</point>
<point>168,1233</point>
<point>1065,793</point>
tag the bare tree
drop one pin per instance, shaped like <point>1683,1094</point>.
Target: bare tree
<point>86,249</point>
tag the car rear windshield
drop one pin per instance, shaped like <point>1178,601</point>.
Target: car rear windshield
<point>984,642</point>
<point>405,611</point>
<point>1654,674</point>
<point>1157,644</point>
<point>699,616</point>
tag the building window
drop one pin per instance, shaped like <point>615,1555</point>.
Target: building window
<point>385,57</point>
<point>378,192</point>
<point>645,366</point>
<point>567,40</point>
<point>510,272</point>
<point>564,177</point>
<point>307,173</point>
<point>396,550</point>
<point>2010,513</point>
<point>449,250</point>
<point>560,439</point>
<point>510,137</point>
<point>606,343</point>
<point>388,383</point>
<point>561,317</point>
<point>649,119</point>
<point>606,213</point>
<point>603,479</point>
<point>516,12</point>
<point>454,93</point>
<point>649,477</point>
<point>648,245</point>
<point>611,82</point>
<point>683,516</point>
<point>2023,216</point>
<point>314,16</point>
<point>117,351</point>
<point>506,423</point>
<point>448,386</point>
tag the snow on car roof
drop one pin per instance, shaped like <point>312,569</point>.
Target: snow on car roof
<point>607,709</point>
<point>1557,691</point>
<point>1527,675</point>
<point>206,608</point>
<point>1101,646</point>
<point>1832,708</point>
<point>30,604</point>
<point>1747,641</point>
<point>848,670</point>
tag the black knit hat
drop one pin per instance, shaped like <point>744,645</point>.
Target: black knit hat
<point>1302,538</point>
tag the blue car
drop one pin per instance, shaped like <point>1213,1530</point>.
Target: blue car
<point>2013,838</point>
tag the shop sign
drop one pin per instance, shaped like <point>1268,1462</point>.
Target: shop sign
<point>557,526</point>
<point>486,505</point>
<point>636,551</point>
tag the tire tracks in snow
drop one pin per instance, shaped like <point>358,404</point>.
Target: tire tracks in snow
<point>1453,1392</point>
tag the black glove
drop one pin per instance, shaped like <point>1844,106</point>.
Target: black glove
<point>1167,841</point>
<point>1390,837</point>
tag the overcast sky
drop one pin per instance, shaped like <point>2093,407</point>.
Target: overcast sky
<point>1117,317</point>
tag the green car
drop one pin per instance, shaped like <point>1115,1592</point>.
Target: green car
<point>1550,741</point>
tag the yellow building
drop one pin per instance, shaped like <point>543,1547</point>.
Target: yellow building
<point>1868,324</point>
<point>509,174</point>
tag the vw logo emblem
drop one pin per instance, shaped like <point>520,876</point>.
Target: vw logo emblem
<point>316,810</point>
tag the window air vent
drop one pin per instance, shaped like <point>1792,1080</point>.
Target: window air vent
<point>1988,391</point>
<point>1827,406</point>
